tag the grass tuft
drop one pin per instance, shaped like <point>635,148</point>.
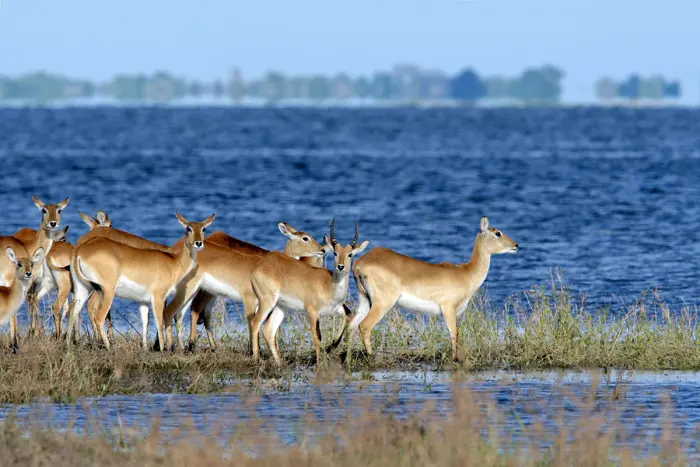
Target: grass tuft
<point>473,432</point>
<point>546,328</point>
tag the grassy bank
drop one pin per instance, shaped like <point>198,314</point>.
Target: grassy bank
<point>547,328</point>
<point>473,433</point>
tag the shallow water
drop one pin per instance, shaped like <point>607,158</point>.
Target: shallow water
<point>522,400</point>
<point>609,195</point>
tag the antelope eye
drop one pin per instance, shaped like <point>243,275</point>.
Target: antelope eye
<point>306,239</point>
<point>189,229</point>
<point>204,229</point>
<point>59,211</point>
<point>350,255</point>
<point>335,254</point>
<point>498,234</point>
<point>44,211</point>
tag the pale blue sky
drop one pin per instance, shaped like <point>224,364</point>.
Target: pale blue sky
<point>203,39</point>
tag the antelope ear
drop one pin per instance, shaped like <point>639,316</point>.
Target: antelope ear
<point>183,222</point>
<point>64,203</point>
<point>10,253</point>
<point>286,229</point>
<point>207,222</point>
<point>37,202</point>
<point>61,235</point>
<point>360,248</point>
<point>484,224</point>
<point>92,223</point>
<point>38,255</point>
<point>327,240</point>
<point>103,218</point>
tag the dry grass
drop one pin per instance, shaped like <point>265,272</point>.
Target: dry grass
<point>546,329</point>
<point>44,368</point>
<point>472,434</point>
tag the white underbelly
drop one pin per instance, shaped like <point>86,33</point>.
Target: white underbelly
<point>131,290</point>
<point>462,308</point>
<point>336,310</point>
<point>410,302</point>
<point>217,287</point>
<point>45,280</point>
<point>290,303</point>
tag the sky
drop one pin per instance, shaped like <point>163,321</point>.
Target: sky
<point>203,39</point>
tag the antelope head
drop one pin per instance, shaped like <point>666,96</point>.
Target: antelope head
<point>50,213</point>
<point>494,241</point>
<point>343,254</point>
<point>194,231</point>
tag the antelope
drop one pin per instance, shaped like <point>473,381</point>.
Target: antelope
<point>385,279</point>
<point>225,271</point>
<point>26,240</point>
<point>146,276</point>
<point>58,262</point>
<point>282,284</point>
<point>101,227</point>
<point>12,296</point>
<point>101,219</point>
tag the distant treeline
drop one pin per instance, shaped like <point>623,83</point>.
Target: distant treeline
<point>637,87</point>
<point>403,83</point>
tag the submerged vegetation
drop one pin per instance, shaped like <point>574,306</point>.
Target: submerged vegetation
<point>475,431</point>
<point>548,328</point>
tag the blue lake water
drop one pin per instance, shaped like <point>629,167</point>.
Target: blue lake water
<point>518,403</point>
<point>608,195</point>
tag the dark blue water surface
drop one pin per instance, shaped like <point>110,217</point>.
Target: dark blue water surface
<point>519,403</point>
<point>609,195</point>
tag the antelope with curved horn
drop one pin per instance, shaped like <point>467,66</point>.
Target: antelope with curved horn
<point>27,240</point>
<point>386,279</point>
<point>12,296</point>
<point>115,269</point>
<point>225,271</point>
<point>281,283</point>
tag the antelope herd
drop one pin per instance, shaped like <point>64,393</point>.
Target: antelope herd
<point>106,263</point>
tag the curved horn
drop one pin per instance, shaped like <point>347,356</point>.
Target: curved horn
<point>356,237</point>
<point>333,240</point>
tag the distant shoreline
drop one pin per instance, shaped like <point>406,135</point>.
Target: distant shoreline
<point>443,104</point>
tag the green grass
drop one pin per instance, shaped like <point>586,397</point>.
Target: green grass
<point>547,328</point>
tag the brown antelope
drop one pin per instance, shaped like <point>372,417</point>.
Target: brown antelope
<point>12,296</point>
<point>225,271</point>
<point>58,262</point>
<point>101,226</point>
<point>385,279</point>
<point>115,269</point>
<point>280,282</point>
<point>26,240</point>
<point>101,219</point>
